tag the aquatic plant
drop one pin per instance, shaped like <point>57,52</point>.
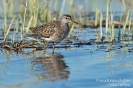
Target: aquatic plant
<point>37,12</point>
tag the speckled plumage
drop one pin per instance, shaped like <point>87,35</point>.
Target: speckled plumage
<point>54,31</point>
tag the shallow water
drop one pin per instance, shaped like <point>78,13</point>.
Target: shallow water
<point>96,65</point>
<point>73,68</point>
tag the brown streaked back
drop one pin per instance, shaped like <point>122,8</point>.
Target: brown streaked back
<point>46,30</point>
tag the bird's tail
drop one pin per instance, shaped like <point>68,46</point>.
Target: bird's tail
<point>33,29</point>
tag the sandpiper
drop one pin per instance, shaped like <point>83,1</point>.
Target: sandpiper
<point>54,31</point>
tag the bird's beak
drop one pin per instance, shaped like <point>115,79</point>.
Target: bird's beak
<point>76,23</point>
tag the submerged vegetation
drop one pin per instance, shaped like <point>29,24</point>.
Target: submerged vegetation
<point>19,15</point>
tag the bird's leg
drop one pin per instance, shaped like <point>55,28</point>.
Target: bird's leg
<point>44,44</point>
<point>52,51</point>
<point>53,45</point>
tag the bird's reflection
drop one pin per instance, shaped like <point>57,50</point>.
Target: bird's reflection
<point>50,67</point>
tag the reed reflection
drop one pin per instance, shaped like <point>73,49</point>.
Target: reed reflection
<point>50,67</point>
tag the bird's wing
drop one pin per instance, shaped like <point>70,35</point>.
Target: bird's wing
<point>45,30</point>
